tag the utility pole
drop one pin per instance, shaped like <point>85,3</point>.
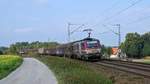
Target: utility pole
<point>71,32</point>
<point>119,34</point>
<point>119,40</point>
<point>119,37</point>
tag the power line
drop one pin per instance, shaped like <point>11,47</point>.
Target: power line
<point>109,8</point>
<point>112,6</point>
<point>69,24</point>
<point>71,32</point>
<point>118,13</point>
<point>110,29</point>
<point>117,33</point>
<point>138,20</point>
<point>77,29</point>
<point>104,32</point>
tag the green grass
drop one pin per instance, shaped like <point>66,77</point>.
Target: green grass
<point>146,62</point>
<point>70,71</point>
<point>9,63</point>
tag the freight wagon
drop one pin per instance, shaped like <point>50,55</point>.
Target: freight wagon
<point>85,49</point>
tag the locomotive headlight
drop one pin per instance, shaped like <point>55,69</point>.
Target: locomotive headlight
<point>87,51</point>
<point>90,51</point>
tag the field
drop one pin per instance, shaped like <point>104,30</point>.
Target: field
<point>147,59</point>
<point>69,71</point>
<point>9,63</point>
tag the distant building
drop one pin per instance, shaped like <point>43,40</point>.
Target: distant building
<point>114,52</point>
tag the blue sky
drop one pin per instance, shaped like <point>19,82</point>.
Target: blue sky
<point>46,20</point>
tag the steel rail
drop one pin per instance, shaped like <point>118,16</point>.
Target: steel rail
<point>142,71</point>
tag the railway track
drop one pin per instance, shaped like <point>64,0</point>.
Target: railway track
<point>135,68</point>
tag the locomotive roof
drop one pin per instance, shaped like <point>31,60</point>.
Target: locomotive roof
<point>85,39</point>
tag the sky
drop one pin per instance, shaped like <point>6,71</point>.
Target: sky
<point>47,20</point>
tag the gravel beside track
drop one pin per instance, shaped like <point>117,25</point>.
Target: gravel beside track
<point>136,68</point>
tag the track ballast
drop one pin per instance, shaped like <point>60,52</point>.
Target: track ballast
<point>132,67</point>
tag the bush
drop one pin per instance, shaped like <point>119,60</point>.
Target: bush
<point>133,45</point>
<point>8,63</point>
<point>146,49</point>
<point>106,51</point>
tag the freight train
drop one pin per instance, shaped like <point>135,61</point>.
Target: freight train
<point>85,49</point>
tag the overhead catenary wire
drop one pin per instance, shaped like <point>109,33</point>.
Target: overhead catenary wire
<point>111,7</point>
<point>104,32</point>
<point>71,32</point>
<point>107,9</point>
<point>118,13</point>
<point>123,10</point>
<point>77,28</point>
<point>139,20</point>
<point>110,29</point>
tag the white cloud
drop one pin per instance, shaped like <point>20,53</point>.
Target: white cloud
<point>23,30</point>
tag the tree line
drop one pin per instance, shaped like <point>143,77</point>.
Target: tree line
<point>15,48</point>
<point>136,45</point>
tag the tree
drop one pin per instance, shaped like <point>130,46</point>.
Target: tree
<point>146,39</point>
<point>133,45</point>
<point>12,49</point>
<point>15,48</point>
<point>106,51</point>
<point>3,50</point>
<point>122,47</point>
<point>146,49</point>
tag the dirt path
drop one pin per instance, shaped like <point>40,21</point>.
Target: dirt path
<point>31,71</point>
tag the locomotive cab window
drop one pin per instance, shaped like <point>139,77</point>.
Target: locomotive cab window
<point>92,44</point>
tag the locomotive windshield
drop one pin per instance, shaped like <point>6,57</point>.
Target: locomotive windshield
<point>92,44</point>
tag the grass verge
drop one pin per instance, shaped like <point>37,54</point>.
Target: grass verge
<point>70,71</point>
<point>9,63</point>
<point>146,62</point>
